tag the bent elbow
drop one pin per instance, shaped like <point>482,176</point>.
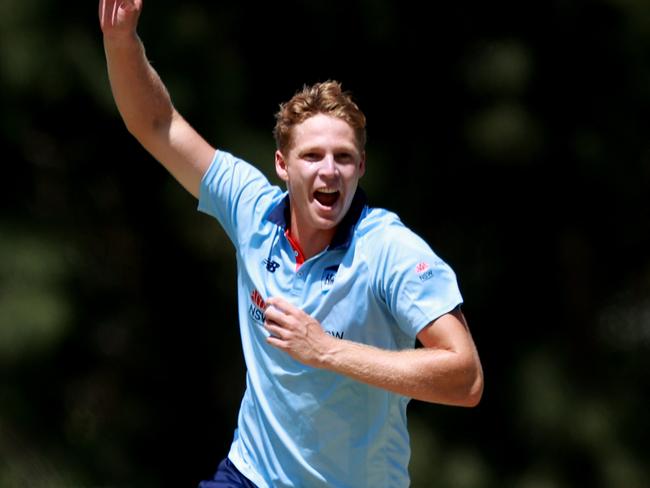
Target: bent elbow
<point>461,385</point>
<point>474,390</point>
<point>465,390</point>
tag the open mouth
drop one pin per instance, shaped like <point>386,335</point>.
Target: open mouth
<point>327,198</point>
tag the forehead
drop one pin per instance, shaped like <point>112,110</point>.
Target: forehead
<point>322,129</point>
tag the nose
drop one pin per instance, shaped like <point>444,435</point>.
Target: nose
<point>328,167</point>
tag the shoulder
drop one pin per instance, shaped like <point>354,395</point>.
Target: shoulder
<point>227,167</point>
<point>382,231</point>
<point>393,251</point>
<point>236,193</point>
<point>376,220</point>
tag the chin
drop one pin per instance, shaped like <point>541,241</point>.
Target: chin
<point>326,221</point>
<point>326,224</point>
<point>327,218</point>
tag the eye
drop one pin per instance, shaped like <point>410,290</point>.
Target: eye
<point>344,157</point>
<point>311,156</point>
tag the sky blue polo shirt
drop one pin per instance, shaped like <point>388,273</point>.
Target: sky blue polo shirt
<point>377,283</point>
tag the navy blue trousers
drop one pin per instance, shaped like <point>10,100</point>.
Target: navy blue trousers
<point>227,476</point>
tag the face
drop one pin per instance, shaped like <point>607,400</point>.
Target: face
<point>321,168</point>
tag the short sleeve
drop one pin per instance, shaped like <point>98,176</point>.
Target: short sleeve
<point>415,283</point>
<point>235,193</point>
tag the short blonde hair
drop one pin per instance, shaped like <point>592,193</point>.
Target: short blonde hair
<point>321,98</point>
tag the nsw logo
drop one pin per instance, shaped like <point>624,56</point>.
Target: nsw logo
<point>257,307</point>
<point>327,279</point>
<point>424,271</point>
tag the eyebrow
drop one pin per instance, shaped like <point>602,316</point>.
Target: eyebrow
<point>315,148</point>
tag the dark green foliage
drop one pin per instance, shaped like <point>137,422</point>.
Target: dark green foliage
<point>513,137</point>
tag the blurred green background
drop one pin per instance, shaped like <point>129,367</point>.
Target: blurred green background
<point>513,136</point>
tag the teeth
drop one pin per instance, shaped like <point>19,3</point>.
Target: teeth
<point>327,190</point>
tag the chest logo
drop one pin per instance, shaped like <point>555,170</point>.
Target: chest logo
<point>271,266</point>
<point>256,307</point>
<point>327,279</point>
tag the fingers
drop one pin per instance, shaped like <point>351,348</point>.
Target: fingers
<point>130,5</point>
<point>275,330</point>
<point>277,323</point>
<point>278,343</point>
<point>103,7</point>
<point>276,319</point>
<point>114,13</point>
<point>273,313</point>
<point>279,304</point>
<point>111,12</point>
<point>108,12</point>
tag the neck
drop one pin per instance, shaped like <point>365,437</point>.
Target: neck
<point>311,241</point>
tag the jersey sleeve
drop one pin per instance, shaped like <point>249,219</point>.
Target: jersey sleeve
<point>415,283</point>
<point>235,193</point>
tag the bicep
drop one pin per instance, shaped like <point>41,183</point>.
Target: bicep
<point>182,151</point>
<point>449,332</point>
<point>464,374</point>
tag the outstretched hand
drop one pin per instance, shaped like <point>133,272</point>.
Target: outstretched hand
<point>296,333</point>
<point>119,17</point>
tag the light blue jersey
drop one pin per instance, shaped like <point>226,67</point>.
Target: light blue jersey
<point>377,283</point>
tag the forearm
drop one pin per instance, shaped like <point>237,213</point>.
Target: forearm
<point>140,95</point>
<point>447,370</point>
<point>143,100</point>
<point>431,375</point>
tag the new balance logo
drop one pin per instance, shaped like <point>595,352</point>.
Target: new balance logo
<point>271,266</point>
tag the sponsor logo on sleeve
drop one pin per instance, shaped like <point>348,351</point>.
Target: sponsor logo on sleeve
<point>424,271</point>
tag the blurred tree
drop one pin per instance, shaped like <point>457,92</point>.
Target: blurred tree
<point>512,136</point>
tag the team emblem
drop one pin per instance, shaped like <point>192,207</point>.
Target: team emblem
<point>257,307</point>
<point>327,279</point>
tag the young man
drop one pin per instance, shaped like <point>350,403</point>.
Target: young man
<point>332,293</point>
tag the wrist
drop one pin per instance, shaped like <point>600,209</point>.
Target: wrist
<point>330,352</point>
<point>126,39</point>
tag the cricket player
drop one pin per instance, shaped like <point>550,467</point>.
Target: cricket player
<point>333,293</point>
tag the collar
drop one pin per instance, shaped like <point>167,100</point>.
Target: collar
<point>281,215</point>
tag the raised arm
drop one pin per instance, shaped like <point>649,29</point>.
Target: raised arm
<point>143,100</point>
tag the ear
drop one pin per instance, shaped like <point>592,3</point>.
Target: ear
<point>362,164</point>
<point>281,166</point>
